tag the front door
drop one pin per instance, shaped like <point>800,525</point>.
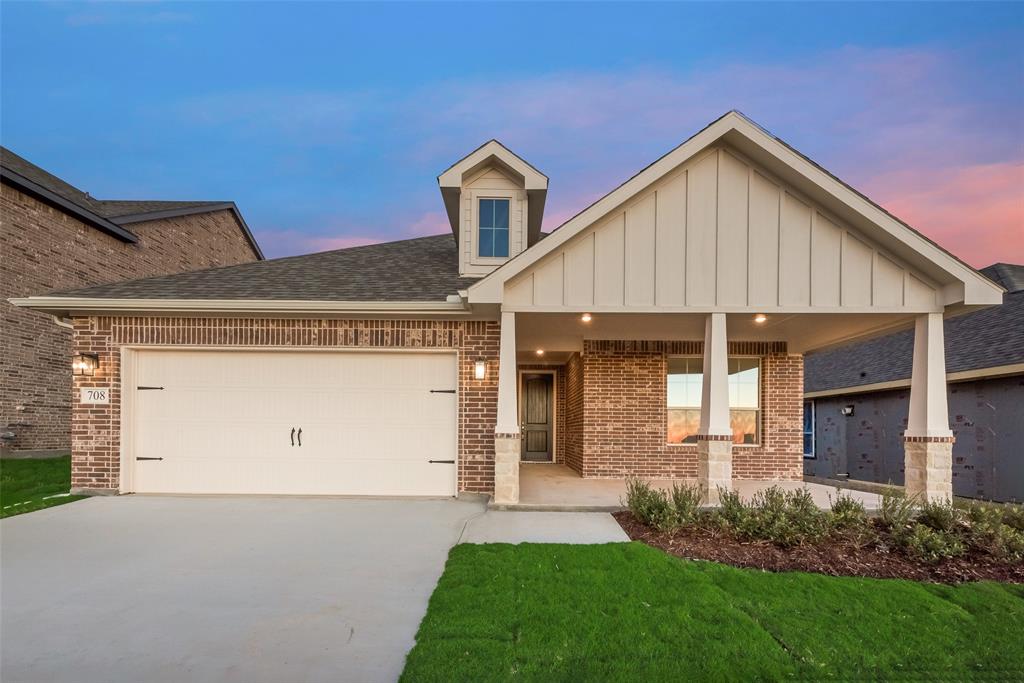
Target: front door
<point>537,414</point>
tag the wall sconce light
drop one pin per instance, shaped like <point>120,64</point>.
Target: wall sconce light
<point>760,318</point>
<point>586,317</point>
<point>540,352</point>
<point>480,369</point>
<point>846,410</point>
<point>84,364</point>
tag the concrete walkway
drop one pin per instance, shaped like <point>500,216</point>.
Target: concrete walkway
<point>543,527</point>
<point>283,590</point>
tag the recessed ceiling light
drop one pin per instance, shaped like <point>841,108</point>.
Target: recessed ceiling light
<point>586,317</point>
<point>540,352</point>
<point>760,318</point>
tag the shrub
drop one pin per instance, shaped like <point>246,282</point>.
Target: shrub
<point>784,519</point>
<point>896,511</point>
<point>927,545</point>
<point>1013,516</point>
<point>686,502</point>
<point>940,516</point>
<point>651,506</point>
<point>849,518</point>
<point>988,534</point>
<point>847,511</point>
<point>732,513</point>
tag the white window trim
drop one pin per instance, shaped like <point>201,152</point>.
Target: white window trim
<point>474,254</point>
<point>813,455</point>
<point>759,443</point>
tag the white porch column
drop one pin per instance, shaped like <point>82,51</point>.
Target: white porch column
<point>506,431</point>
<point>928,441</point>
<point>714,437</point>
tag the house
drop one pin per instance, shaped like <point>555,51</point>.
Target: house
<point>857,400</point>
<point>660,332</point>
<point>55,236</point>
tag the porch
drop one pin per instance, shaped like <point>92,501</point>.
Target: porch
<point>554,486</point>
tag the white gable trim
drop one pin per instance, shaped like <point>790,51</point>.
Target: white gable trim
<point>960,283</point>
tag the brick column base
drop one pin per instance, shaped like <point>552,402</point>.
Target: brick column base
<point>928,467</point>
<point>506,469</point>
<point>714,465</point>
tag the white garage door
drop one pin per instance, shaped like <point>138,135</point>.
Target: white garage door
<point>347,423</point>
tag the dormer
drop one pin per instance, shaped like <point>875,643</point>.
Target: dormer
<point>495,203</point>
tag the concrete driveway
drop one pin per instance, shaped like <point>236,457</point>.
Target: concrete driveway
<point>146,588</point>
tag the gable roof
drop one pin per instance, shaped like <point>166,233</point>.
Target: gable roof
<point>989,338</point>
<point>493,152</point>
<point>108,215</point>
<point>423,269</point>
<point>960,282</point>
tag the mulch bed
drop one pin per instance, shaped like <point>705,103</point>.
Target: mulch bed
<point>836,557</point>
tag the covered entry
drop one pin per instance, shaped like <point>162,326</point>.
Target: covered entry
<point>286,422</point>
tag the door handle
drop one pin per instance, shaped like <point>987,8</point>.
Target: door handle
<point>293,436</point>
<point>300,437</point>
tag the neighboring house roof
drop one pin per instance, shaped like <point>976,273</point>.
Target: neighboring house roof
<point>989,338</point>
<point>1009,276</point>
<point>107,215</point>
<point>421,269</point>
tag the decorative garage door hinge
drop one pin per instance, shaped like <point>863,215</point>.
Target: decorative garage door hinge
<point>442,391</point>
<point>150,388</point>
<point>149,458</point>
<point>441,462</point>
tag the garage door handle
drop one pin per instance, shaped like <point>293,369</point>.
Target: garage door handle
<point>293,436</point>
<point>441,462</point>
<point>300,437</point>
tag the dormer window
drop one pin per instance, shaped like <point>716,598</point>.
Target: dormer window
<point>492,239</point>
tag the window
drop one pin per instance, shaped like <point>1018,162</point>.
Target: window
<point>685,383</point>
<point>493,235</point>
<point>809,429</point>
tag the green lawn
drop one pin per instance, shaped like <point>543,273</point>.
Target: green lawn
<point>629,612</point>
<point>25,485</point>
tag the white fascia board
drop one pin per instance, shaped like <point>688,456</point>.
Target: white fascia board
<point>534,180</point>
<point>993,372</point>
<point>69,304</point>
<point>969,287</point>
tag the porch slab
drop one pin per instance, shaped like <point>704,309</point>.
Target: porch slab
<point>552,486</point>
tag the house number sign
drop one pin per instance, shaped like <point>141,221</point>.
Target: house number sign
<point>95,395</point>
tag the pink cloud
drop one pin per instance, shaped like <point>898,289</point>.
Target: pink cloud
<point>975,211</point>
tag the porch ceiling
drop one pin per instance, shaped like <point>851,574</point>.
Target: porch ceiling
<point>560,334</point>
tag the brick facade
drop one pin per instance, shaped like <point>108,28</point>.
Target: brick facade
<point>610,414</point>
<point>617,413</point>
<point>96,433</point>
<point>43,249</point>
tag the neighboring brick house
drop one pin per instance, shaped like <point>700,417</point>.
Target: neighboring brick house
<point>54,236</point>
<point>660,333</point>
<point>857,401</point>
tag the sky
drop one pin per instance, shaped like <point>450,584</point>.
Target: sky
<point>328,123</point>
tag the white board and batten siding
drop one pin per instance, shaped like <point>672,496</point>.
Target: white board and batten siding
<point>717,233</point>
<point>228,421</point>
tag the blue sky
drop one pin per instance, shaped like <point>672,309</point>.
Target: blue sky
<point>328,123</point>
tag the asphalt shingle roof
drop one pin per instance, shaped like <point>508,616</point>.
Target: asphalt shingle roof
<point>107,208</point>
<point>982,339</point>
<point>1009,276</point>
<point>421,269</point>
